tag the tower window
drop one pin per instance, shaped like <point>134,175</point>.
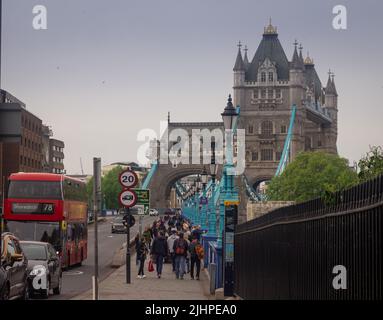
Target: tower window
<point>255,94</point>
<point>267,155</point>
<point>251,129</point>
<point>267,128</point>
<point>283,129</point>
<point>319,143</point>
<point>271,77</point>
<point>263,76</point>
<point>278,94</point>
<point>254,156</point>
<point>270,93</point>
<point>263,93</point>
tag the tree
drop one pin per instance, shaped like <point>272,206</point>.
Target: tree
<point>312,175</point>
<point>371,165</point>
<point>110,188</point>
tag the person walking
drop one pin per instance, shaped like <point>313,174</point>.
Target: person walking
<point>196,254</point>
<point>173,237</point>
<point>142,251</point>
<point>187,258</point>
<point>159,251</point>
<point>180,248</point>
<point>137,244</point>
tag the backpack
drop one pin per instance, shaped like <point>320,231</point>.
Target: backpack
<point>199,251</point>
<point>180,247</point>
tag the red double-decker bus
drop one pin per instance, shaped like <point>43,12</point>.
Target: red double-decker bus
<point>49,208</point>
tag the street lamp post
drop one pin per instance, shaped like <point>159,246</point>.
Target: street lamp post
<point>204,178</point>
<point>213,173</point>
<point>228,204</point>
<point>228,193</point>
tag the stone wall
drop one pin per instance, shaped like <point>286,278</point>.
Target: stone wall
<point>257,209</point>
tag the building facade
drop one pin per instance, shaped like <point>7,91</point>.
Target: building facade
<point>266,88</point>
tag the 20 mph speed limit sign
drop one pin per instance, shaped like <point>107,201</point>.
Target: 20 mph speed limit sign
<point>128,198</point>
<point>128,179</point>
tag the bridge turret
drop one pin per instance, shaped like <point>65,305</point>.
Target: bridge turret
<point>239,77</point>
<point>296,78</point>
<point>331,107</point>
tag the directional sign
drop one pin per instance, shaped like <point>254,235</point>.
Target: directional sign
<point>128,179</point>
<point>143,199</point>
<point>127,198</point>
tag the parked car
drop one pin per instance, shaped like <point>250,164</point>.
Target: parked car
<point>13,269</point>
<point>43,261</point>
<point>118,225</point>
<point>153,212</point>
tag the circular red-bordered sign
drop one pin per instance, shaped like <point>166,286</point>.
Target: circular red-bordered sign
<point>128,179</point>
<point>127,198</point>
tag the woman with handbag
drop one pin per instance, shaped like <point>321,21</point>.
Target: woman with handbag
<point>141,256</point>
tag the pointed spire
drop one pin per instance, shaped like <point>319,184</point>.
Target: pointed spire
<point>295,62</point>
<point>245,59</point>
<point>300,53</point>
<point>239,65</point>
<point>330,87</point>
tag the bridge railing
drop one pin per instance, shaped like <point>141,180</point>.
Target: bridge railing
<point>291,252</point>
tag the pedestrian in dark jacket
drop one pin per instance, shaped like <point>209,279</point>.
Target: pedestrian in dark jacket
<point>195,259</point>
<point>159,251</point>
<point>180,248</point>
<point>142,251</point>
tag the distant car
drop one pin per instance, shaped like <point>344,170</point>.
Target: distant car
<point>118,225</point>
<point>13,269</point>
<point>153,212</point>
<point>43,260</point>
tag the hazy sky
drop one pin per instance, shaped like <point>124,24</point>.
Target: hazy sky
<point>106,69</point>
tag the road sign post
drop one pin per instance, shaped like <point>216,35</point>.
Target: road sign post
<point>128,198</point>
<point>143,200</point>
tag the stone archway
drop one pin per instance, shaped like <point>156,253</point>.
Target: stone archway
<point>163,180</point>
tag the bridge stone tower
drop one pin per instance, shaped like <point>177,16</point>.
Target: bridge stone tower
<point>265,89</point>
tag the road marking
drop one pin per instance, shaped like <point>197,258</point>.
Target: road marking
<point>73,273</point>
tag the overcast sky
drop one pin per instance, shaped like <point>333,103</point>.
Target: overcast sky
<point>104,70</point>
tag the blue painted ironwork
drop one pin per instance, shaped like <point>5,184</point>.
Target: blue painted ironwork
<point>286,149</point>
<point>150,175</point>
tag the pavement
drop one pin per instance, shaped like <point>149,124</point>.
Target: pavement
<point>114,287</point>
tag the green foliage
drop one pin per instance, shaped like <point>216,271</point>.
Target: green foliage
<point>371,165</point>
<point>110,188</point>
<point>312,175</point>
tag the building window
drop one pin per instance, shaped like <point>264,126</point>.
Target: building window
<point>254,156</point>
<point>255,94</point>
<point>263,93</point>
<point>319,143</point>
<point>271,77</point>
<point>267,154</point>
<point>263,76</point>
<point>267,128</point>
<point>278,93</point>
<point>270,93</point>
<point>251,129</point>
<point>283,128</point>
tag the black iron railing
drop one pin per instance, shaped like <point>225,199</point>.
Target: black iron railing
<point>291,252</point>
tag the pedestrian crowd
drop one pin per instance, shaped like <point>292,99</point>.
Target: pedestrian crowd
<point>171,239</point>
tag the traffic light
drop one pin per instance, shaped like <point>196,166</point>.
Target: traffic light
<point>129,220</point>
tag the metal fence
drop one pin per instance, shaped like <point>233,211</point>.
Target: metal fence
<point>290,253</point>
